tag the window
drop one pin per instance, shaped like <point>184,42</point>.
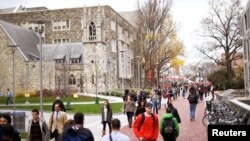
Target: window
<point>72,80</point>
<point>61,24</point>
<point>58,41</point>
<point>76,60</point>
<point>92,31</point>
<point>59,61</point>
<point>113,25</point>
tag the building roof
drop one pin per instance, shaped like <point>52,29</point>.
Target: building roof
<point>26,40</point>
<point>7,10</point>
<point>60,51</point>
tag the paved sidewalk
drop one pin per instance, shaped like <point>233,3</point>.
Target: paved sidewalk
<point>189,130</point>
<point>93,122</point>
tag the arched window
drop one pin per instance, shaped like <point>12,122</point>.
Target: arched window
<point>72,80</point>
<point>92,31</point>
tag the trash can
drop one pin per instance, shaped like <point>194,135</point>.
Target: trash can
<point>19,121</point>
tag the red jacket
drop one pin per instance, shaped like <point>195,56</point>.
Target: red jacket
<point>146,130</point>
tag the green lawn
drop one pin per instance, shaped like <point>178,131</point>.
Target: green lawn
<point>85,108</point>
<point>48,99</point>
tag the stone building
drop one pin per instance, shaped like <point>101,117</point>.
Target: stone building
<point>107,39</point>
<point>245,22</point>
<point>26,60</point>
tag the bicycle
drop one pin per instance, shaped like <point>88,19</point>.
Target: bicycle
<point>208,113</point>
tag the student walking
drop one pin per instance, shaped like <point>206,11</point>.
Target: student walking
<point>169,127</point>
<point>129,108</point>
<point>116,135</point>
<point>37,128</point>
<point>9,97</point>
<point>106,113</point>
<point>146,126</point>
<point>192,98</point>
<point>56,122</point>
<point>77,132</point>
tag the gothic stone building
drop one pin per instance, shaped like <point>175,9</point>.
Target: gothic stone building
<point>106,37</point>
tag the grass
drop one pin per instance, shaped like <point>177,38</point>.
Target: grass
<point>85,108</point>
<point>24,135</point>
<point>21,100</point>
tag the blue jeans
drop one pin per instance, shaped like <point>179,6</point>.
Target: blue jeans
<point>155,108</point>
<point>192,110</point>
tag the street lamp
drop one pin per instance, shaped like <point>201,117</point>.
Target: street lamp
<point>123,71</point>
<point>108,84</point>
<point>40,23</point>
<point>13,47</point>
<point>96,86</point>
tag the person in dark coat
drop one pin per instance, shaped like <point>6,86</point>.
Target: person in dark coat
<point>106,113</point>
<point>78,128</point>
<point>174,112</point>
<point>140,108</point>
<point>6,120</point>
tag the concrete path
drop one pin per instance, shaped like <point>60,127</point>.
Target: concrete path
<point>93,122</point>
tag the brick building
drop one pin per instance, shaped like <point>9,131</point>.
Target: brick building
<point>103,33</point>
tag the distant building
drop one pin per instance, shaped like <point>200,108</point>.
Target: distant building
<point>245,22</point>
<point>235,63</point>
<point>101,32</point>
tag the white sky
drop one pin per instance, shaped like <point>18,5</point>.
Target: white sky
<point>186,13</point>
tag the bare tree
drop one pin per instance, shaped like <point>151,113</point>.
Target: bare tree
<point>221,33</point>
<point>155,25</point>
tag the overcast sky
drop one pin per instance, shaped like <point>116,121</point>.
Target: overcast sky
<point>186,13</point>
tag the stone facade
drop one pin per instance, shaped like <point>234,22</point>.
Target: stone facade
<point>103,32</point>
<point>27,76</point>
<point>245,20</point>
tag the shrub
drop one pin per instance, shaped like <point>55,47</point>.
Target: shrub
<point>219,78</point>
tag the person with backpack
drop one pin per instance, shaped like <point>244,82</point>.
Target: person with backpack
<point>146,125</point>
<point>174,112</point>
<point>37,128</point>
<point>169,127</point>
<point>77,132</point>
<point>115,135</point>
<point>192,98</point>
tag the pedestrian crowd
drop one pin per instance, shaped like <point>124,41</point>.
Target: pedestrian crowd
<point>141,111</point>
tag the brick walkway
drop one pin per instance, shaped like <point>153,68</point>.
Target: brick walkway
<point>189,130</point>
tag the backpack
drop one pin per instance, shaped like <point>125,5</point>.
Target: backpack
<point>192,98</point>
<point>143,118</point>
<point>74,135</point>
<point>169,129</point>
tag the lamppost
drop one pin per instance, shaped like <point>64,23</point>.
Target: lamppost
<point>96,83</point>
<point>108,84</point>
<point>122,74</point>
<point>13,47</point>
<point>40,23</point>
